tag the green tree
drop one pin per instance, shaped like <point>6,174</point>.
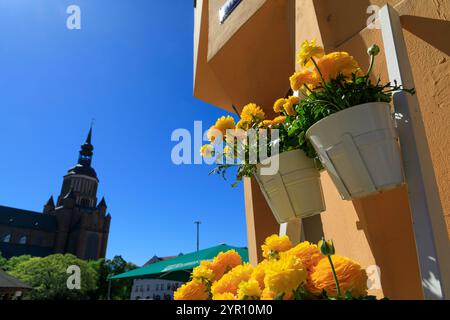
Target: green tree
<point>3,261</point>
<point>48,277</point>
<point>120,289</point>
<point>13,262</point>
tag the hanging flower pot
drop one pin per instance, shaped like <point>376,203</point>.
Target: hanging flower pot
<point>295,190</point>
<point>346,121</point>
<point>359,148</point>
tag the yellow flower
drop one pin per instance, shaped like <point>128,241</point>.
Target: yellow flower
<point>249,290</point>
<point>259,273</point>
<point>309,50</point>
<point>278,120</point>
<point>213,133</point>
<point>206,150</point>
<point>350,275</point>
<point>337,63</point>
<point>224,296</point>
<point>225,123</point>
<point>224,262</point>
<point>284,275</point>
<point>308,253</point>
<point>275,244</point>
<point>252,113</point>
<point>278,105</point>
<point>193,290</point>
<point>289,105</point>
<point>203,272</point>
<point>299,79</point>
<point>271,123</point>
<point>267,295</point>
<point>266,124</point>
<point>242,125</point>
<point>231,280</point>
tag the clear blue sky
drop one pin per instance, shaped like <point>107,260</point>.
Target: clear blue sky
<point>131,68</point>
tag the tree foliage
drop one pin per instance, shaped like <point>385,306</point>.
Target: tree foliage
<point>48,277</point>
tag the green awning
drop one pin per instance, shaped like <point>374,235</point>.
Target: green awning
<point>179,268</point>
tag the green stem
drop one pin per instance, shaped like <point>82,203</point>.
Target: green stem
<point>336,281</point>
<point>308,89</point>
<point>320,72</point>
<point>369,71</point>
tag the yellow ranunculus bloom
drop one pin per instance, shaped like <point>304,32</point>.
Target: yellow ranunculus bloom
<point>299,79</point>
<point>278,105</point>
<point>267,295</point>
<point>193,290</point>
<point>203,272</point>
<point>350,275</point>
<point>252,113</point>
<point>249,290</point>
<point>337,63</point>
<point>225,123</point>
<point>259,273</point>
<point>224,296</point>
<point>307,51</point>
<point>275,244</point>
<point>284,275</point>
<point>278,120</point>
<point>231,280</point>
<point>308,253</point>
<point>289,105</point>
<point>213,133</point>
<point>206,151</point>
<point>224,262</point>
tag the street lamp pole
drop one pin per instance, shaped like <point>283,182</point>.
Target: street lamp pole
<point>198,234</point>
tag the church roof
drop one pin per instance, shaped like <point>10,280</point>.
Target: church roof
<point>27,219</point>
<point>83,167</point>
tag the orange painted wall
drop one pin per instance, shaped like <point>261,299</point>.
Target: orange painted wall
<point>376,230</point>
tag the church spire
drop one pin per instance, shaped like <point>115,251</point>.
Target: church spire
<point>86,152</point>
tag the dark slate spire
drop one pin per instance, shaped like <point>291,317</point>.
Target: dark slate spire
<point>102,203</point>
<point>50,202</point>
<point>86,152</point>
<point>49,206</point>
<point>89,137</point>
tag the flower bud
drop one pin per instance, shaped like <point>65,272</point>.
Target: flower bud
<point>374,50</point>
<point>326,247</point>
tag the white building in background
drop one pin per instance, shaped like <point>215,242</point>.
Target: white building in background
<point>154,289</point>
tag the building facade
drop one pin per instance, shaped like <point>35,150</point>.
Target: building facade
<point>154,289</point>
<point>245,51</point>
<point>75,224</point>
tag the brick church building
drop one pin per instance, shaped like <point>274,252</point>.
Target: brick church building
<point>75,224</point>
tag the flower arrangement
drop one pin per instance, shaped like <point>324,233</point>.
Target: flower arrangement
<point>326,84</point>
<point>329,83</point>
<point>302,272</point>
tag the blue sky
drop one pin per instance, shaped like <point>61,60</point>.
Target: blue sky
<point>131,68</point>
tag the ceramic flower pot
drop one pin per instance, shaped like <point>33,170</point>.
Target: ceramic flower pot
<point>359,148</point>
<point>295,190</point>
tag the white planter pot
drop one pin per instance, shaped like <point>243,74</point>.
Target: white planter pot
<point>360,150</point>
<point>295,190</point>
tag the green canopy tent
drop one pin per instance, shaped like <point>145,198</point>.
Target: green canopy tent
<point>179,268</point>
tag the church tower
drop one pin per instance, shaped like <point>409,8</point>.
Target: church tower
<point>83,225</point>
<point>81,180</point>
